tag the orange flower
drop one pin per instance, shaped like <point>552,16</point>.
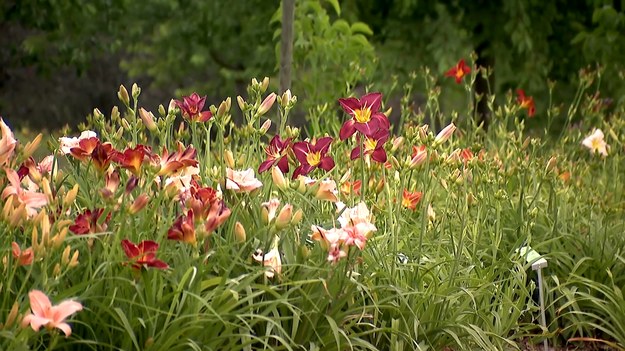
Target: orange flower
<point>526,102</point>
<point>458,71</point>
<point>24,258</point>
<point>132,159</point>
<point>45,315</point>
<point>410,200</point>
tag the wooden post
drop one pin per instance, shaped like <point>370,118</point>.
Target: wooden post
<point>286,44</point>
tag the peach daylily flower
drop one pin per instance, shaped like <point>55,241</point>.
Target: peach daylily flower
<point>31,199</point>
<point>7,143</point>
<point>352,216</point>
<point>23,258</point>
<point>242,181</point>
<point>271,259</point>
<point>596,144</point>
<point>45,315</point>
<point>66,144</point>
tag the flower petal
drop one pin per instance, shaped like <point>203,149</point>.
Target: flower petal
<point>372,100</point>
<point>64,310</point>
<point>347,130</point>
<point>39,303</point>
<point>349,105</point>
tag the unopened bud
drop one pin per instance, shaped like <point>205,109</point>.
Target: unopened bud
<point>224,108</point>
<point>267,104</point>
<point>388,112</point>
<point>122,94</point>
<point>278,178</point>
<point>285,98</point>
<point>284,217</point>
<point>135,91</point>
<point>126,125</point>
<point>32,146</point>
<point>241,102</point>
<point>445,134</point>
<point>161,110</point>
<point>551,164</point>
<point>297,217</point>
<point>397,143</point>
<point>148,119</point>
<point>140,202</point>
<point>239,232</point>
<point>12,315</point>
<point>265,127</point>
<point>171,108</point>
<point>229,158</point>
<point>264,85</point>
<point>74,261</point>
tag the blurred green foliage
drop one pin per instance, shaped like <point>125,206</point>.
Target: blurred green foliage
<point>215,47</point>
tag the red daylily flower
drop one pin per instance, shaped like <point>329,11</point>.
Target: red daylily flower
<point>526,102</point>
<point>101,155</point>
<point>200,200</point>
<point>276,155</point>
<point>365,114</point>
<point>183,229</point>
<point>312,155</point>
<point>143,254</point>
<point>132,159</point>
<point>85,148</point>
<point>374,146</point>
<point>217,215</point>
<point>348,187</point>
<point>87,222</point>
<point>458,71</point>
<point>191,107</point>
<point>410,200</point>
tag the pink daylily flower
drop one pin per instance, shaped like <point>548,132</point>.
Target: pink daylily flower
<point>31,199</point>
<point>7,143</point>
<point>67,144</point>
<point>48,316</point>
<point>242,181</point>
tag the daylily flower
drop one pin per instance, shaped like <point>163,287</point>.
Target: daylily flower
<point>170,163</point>
<point>312,155</point>
<point>7,143</point>
<point>199,199</point>
<point>191,107</point>
<point>143,254</point>
<point>410,200</point>
<point>217,215</point>
<point>111,183</point>
<point>526,102</point>
<point>102,155</point>
<point>348,187</point>
<point>180,182</point>
<point>419,155</point>
<point>269,210</point>
<point>183,229</point>
<point>366,117</point>
<point>48,316</point>
<point>23,258</point>
<point>87,222</point>
<point>276,155</point>
<point>132,159</point>
<point>271,259</point>
<point>596,144</point>
<point>459,71</point>
<point>31,199</point>
<point>373,145</point>
<point>351,216</point>
<point>66,144</point>
<point>242,181</point>
<point>84,148</point>
<point>326,188</point>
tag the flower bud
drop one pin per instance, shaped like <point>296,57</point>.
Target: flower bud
<point>284,217</point>
<point>431,213</point>
<point>445,134</point>
<point>30,148</point>
<point>239,233</point>
<point>264,85</point>
<point>69,198</point>
<point>171,108</point>
<point>135,91</point>
<point>229,158</point>
<point>297,217</point>
<point>224,108</point>
<point>388,112</point>
<point>161,110</point>
<point>278,178</point>
<point>285,98</point>
<point>397,143</point>
<point>551,164</point>
<point>241,102</point>
<point>122,94</point>
<point>138,204</point>
<point>148,119</point>
<point>265,127</point>
<point>267,104</point>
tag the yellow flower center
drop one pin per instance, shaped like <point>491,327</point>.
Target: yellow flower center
<point>405,202</point>
<point>362,116</point>
<point>313,158</point>
<point>596,144</point>
<point>459,73</point>
<point>370,144</point>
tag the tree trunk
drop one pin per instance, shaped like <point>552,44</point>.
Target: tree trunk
<point>483,85</point>
<point>286,44</point>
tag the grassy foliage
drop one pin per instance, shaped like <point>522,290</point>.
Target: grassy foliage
<point>442,269</point>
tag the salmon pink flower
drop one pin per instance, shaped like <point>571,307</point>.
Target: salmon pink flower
<point>7,143</point>
<point>31,199</point>
<point>170,163</point>
<point>191,107</point>
<point>242,181</point>
<point>365,115</point>
<point>312,155</point>
<point>458,71</point>
<point>596,144</point>
<point>410,200</point>
<point>143,254</point>
<point>373,146</point>
<point>84,148</point>
<point>23,258</point>
<point>526,102</point>
<point>183,229</point>
<point>67,144</point>
<point>89,222</point>
<point>48,316</point>
<point>276,155</point>
<point>217,215</point>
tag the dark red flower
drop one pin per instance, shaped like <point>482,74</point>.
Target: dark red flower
<point>191,107</point>
<point>526,102</point>
<point>374,146</point>
<point>312,155</point>
<point>85,148</point>
<point>459,71</point>
<point>101,155</point>
<point>143,254</point>
<point>276,155</point>
<point>365,115</point>
<point>89,222</point>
